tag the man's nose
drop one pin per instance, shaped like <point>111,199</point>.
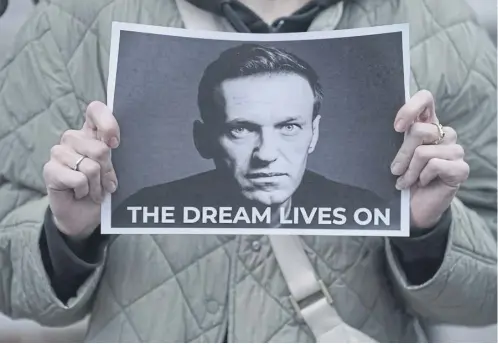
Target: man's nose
<point>266,149</point>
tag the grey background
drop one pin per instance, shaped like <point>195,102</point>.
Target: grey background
<point>156,104</point>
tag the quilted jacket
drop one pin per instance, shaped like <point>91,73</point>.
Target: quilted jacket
<point>197,288</point>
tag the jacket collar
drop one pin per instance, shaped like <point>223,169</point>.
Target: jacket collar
<point>329,19</point>
<point>195,18</point>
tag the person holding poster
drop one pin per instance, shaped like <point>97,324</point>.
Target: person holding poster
<point>56,266</point>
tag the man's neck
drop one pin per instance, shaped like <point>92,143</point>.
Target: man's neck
<point>270,10</point>
<point>280,213</point>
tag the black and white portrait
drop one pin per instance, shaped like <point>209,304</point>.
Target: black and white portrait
<point>288,135</point>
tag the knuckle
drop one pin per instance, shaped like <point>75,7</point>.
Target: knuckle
<point>450,133</point>
<point>453,173</point>
<point>409,175</point>
<point>459,151</point>
<point>49,175</point>
<point>92,169</point>
<point>417,127</point>
<point>110,174</point>
<point>418,130</point>
<point>458,173</point>
<point>102,152</point>
<point>80,180</point>
<point>47,170</point>
<point>432,164</point>
<point>64,136</point>
<point>55,151</point>
<point>420,153</point>
<point>68,135</point>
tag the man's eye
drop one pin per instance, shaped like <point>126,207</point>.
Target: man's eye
<point>239,131</point>
<point>290,129</point>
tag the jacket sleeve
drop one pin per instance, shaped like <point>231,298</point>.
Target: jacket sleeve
<point>460,69</point>
<point>26,286</point>
<point>38,102</point>
<point>68,263</point>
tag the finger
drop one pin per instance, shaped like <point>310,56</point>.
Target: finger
<point>59,177</point>
<point>101,124</point>
<point>91,169</point>
<point>418,134</point>
<point>450,136</point>
<point>420,108</point>
<point>451,172</point>
<point>65,155</point>
<point>92,148</point>
<point>421,157</point>
<point>110,181</point>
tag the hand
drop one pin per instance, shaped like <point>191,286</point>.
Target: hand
<point>434,172</point>
<point>75,193</point>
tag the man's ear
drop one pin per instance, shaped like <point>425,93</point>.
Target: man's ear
<point>316,132</point>
<point>202,140</point>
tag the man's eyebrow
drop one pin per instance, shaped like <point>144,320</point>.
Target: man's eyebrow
<point>289,120</point>
<point>239,121</point>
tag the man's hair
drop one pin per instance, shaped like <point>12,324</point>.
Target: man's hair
<point>247,60</point>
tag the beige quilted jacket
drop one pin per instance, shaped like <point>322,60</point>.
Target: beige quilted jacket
<point>197,288</point>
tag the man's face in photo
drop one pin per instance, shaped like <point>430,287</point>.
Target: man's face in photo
<point>268,132</point>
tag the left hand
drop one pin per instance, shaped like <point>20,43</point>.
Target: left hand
<point>433,171</point>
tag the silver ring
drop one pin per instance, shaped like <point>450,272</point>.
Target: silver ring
<point>442,134</point>
<point>77,165</point>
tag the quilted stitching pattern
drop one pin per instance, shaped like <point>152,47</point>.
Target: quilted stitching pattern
<point>217,283</point>
<point>200,313</point>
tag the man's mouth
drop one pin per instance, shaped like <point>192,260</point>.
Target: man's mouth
<point>260,175</point>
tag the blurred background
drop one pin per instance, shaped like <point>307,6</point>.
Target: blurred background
<point>18,11</point>
<point>15,14</point>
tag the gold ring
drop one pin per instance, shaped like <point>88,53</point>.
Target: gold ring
<point>77,165</point>
<point>442,134</point>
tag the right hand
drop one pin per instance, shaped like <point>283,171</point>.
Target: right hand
<point>75,196</point>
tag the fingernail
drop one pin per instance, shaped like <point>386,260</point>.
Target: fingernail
<point>113,142</point>
<point>112,187</point>
<point>399,125</point>
<point>399,184</point>
<point>395,168</point>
